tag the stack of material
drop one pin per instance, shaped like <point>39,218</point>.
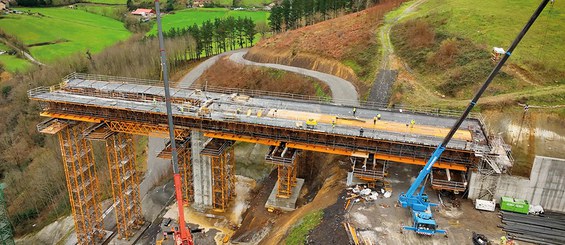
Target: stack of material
<point>548,228</point>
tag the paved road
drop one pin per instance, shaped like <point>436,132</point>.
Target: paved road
<point>27,55</point>
<point>342,90</point>
<point>197,71</point>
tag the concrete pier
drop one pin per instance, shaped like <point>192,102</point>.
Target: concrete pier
<point>201,172</point>
<point>285,204</point>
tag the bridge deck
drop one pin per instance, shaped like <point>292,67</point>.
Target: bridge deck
<point>428,130</point>
<point>264,117</point>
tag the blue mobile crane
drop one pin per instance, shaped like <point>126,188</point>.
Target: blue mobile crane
<point>420,207</point>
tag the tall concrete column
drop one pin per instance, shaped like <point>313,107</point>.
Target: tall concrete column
<point>201,172</point>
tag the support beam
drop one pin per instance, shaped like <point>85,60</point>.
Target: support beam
<point>380,156</point>
<point>82,184</point>
<point>124,179</point>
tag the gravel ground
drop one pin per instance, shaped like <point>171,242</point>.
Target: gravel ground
<point>331,224</point>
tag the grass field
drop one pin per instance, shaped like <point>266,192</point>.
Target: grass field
<point>190,17</point>
<point>299,232</point>
<point>107,1</point>
<point>496,23</point>
<point>244,3</point>
<point>448,44</point>
<point>112,11</point>
<point>11,62</point>
<point>73,30</point>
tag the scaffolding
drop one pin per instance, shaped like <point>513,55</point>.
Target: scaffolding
<point>286,160</point>
<point>185,166</point>
<point>82,184</point>
<point>121,103</point>
<point>222,156</point>
<point>449,180</point>
<point>124,178</point>
<point>6,237</point>
<point>369,169</point>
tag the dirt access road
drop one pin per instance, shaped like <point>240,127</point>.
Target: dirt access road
<point>343,91</point>
<point>381,90</point>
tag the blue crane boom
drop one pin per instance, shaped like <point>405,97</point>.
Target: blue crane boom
<point>423,221</point>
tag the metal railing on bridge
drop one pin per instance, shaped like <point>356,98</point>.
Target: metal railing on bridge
<point>279,95</point>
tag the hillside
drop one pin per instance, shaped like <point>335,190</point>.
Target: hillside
<point>446,47</point>
<point>225,73</point>
<point>52,33</point>
<point>346,46</point>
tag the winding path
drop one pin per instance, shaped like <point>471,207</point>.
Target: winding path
<point>26,54</point>
<point>381,90</point>
<point>343,91</point>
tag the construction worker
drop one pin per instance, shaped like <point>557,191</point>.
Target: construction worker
<point>503,240</point>
<point>354,110</point>
<point>374,121</point>
<point>361,132</point>
<point>379,116</point>
<point>412,123</point>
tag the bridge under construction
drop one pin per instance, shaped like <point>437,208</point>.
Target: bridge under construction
<point>209,120</point>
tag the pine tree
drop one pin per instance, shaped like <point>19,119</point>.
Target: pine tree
<point>130,5</point>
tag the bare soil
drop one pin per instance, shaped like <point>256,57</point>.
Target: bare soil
<point>327,46</point>
<point>225,73</point>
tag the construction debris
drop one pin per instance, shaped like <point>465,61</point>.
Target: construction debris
<point>364,193</point>
<point>548,228</point>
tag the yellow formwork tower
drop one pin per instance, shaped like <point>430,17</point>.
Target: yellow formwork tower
<point>222,160</point>
<point>120,151</point>
<point>287,177</point>
<point>82,184</point>
<point>185,168</point>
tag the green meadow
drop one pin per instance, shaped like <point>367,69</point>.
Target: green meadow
<point>68,30</point>
<point>189,17</point>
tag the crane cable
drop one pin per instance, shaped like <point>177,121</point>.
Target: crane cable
<point>521,125</point>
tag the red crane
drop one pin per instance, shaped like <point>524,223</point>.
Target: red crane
<point>182,236</point>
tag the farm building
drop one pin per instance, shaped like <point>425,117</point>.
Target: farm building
<point>4,5</point>
<point>144,12</point>
<point>201,3</point>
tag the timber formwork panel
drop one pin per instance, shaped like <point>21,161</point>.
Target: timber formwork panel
<point>82,184</point>
<point>120,151</point>
<point>222,159</point>
<point>385,149</point>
